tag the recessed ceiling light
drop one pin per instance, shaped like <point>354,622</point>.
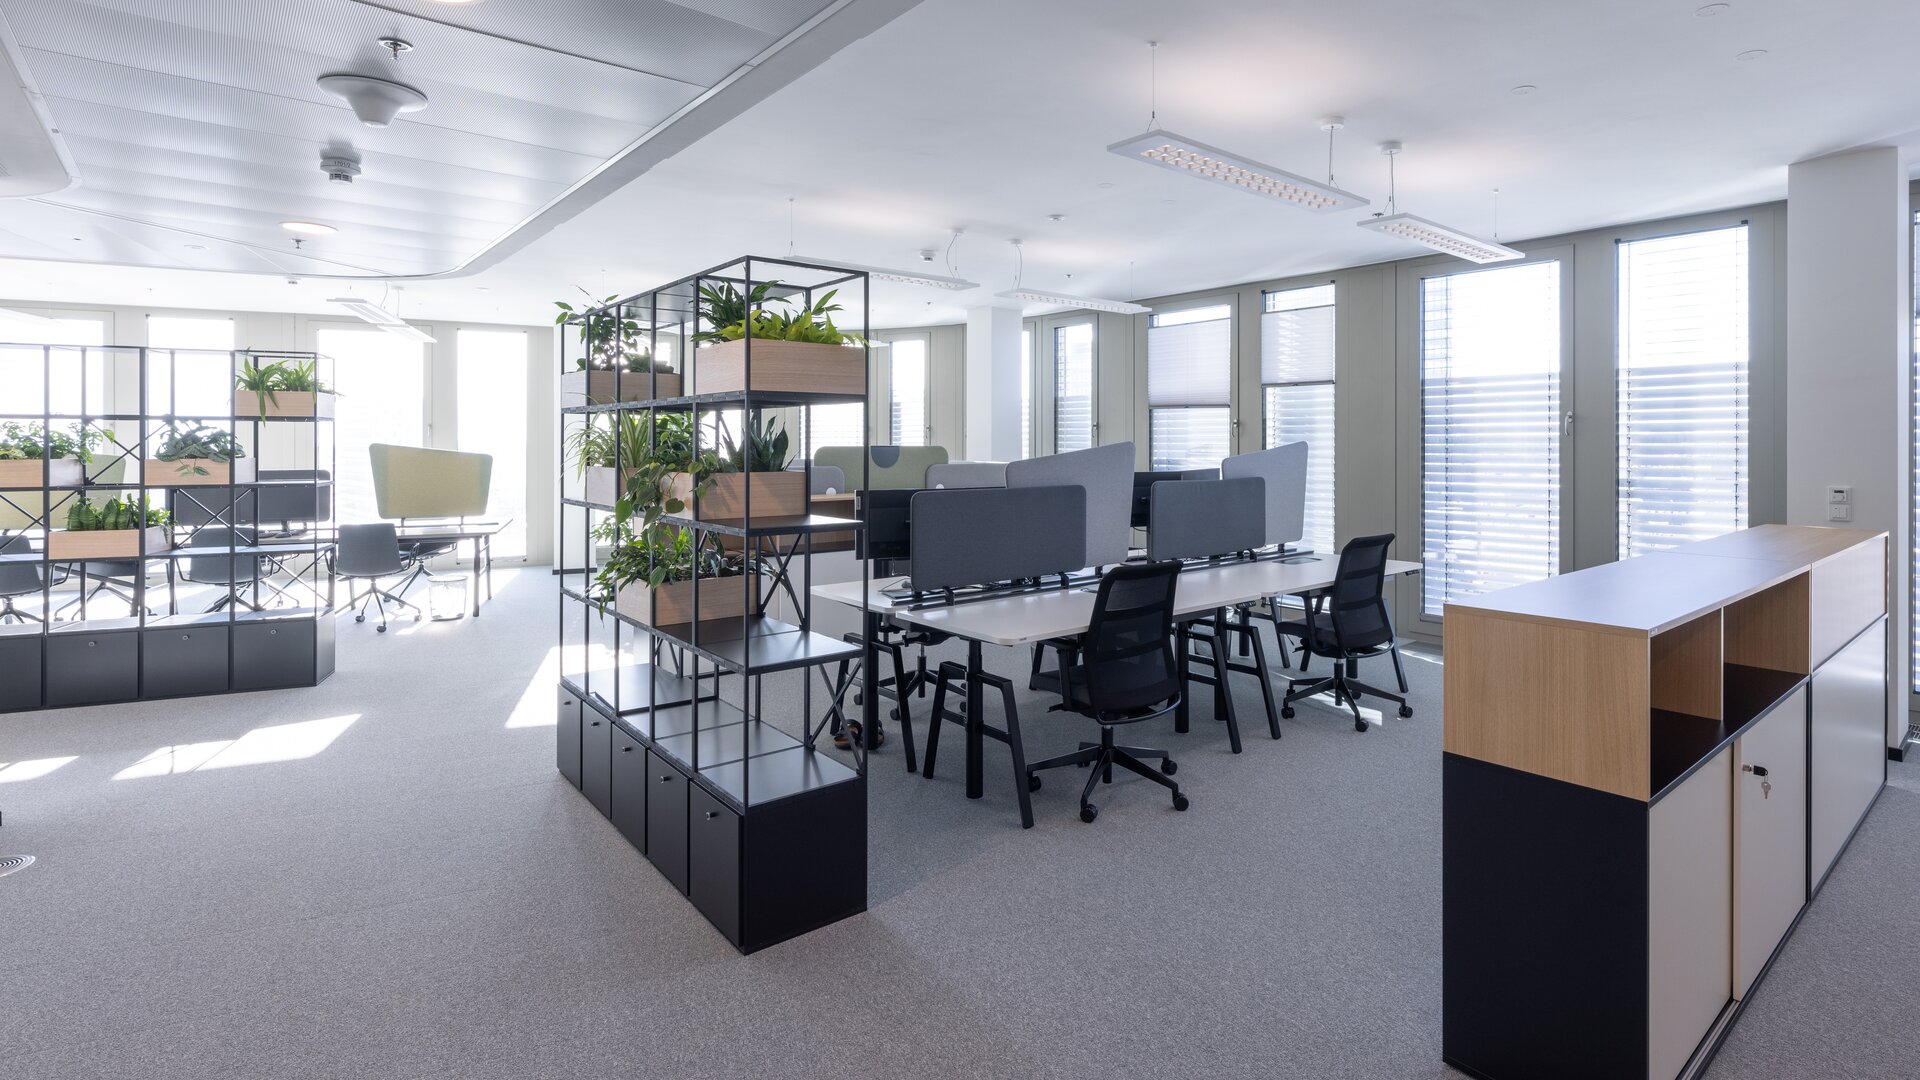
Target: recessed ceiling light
<point>1710,10</point>
<point>1524,89</point>
<point>1105,184</point>
<point>1751,54</point>
<point>196,247</point>
<point>308,227</point>
<point>1056,217</point>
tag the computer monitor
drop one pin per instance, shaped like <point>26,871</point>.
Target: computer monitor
<point>1143,495</point>
<point>888,516</point>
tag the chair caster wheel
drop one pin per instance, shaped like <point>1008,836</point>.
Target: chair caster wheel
<point>1169,767</point>
<point>1406,712</point>
<point>359,618</point>
<point>1180,802</point>
<point>381,629</point>
<point>1089,812</point>
<point>1033,782</point>
<point>1286,713</point>
<point>1359,725</point>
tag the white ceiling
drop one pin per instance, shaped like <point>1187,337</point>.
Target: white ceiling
<point>992,114</point>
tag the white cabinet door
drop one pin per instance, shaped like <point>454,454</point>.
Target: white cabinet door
<point>1689,914</point>
<point>1769,835</point>
<point>1849,745</point>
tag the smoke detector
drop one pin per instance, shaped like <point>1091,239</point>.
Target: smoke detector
<point>340,168</point>
<point>375,101</point>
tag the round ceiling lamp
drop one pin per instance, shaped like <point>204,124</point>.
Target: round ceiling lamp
<point>375,101</point>
<point>309,228</point>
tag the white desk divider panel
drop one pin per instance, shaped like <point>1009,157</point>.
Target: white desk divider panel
<point>1106,472</point>
<point>1284,468</point>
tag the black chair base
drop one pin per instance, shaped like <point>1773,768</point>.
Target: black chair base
<point>1346,691</point>
<point>1101,757</point>
<point>900,686</point>
<point>379,598</point>
<point>952,677</point>
<point>10,613</point>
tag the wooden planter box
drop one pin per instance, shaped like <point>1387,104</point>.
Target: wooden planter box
<point>797,367</point>
<point>775,494</point>
<point>596,387</point>
<point>29,474</point>
<point>170,474</point>
<point>64,545</point>
<point>604,484</point>
<point>672,604</point>
<point>296,403</point>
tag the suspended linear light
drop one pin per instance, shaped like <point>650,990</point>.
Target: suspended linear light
<point>1195,158</point>
<point>1034,296</point>
<point>1432,234</point>
<point>1442,239</point>
<point>370,312</point>
<point>905,277</point>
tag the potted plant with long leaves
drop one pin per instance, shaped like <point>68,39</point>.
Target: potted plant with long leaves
<point>29,454</point>
<point>198,454</point>
<point>118,529</point>
<point>796,347</point>
<point>648,576</point>
<point>285,388</point>
<point>615,363</point>
<point>757,466</point>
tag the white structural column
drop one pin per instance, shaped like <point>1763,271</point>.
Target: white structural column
<point>993,384</point>
<point>1849,312</point>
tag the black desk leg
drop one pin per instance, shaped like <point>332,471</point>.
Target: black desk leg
<point>476,577</point>
<point>1222,690</point>
<point>1183,659</point>
<point>488,542</point>
<point>976,720</point>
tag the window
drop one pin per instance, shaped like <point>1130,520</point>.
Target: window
<point>1490,399</point>
<point>1026,392</point>
<point>22,371</point>
<point>1072,387</point>
<point>832,425</point>
<point>1296,393</point>
<point>194,375</point>
<point>1190,388</point>
<point>1681,381</point>
<point>1914,582</point>
<point>382,379</point>
<point>907,392</point>
<point>491,418</point>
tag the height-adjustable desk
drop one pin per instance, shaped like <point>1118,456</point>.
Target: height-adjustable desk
<point>1048,614</point>
<point>1650,768</point>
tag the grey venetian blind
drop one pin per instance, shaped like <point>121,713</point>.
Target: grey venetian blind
<point>1190,387</point>
<point>1297,393</point>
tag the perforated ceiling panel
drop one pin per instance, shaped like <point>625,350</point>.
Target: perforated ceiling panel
<point>197,126</point>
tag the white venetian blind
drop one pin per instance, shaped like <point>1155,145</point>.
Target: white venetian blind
<point>1190,387</point>
<point>907,391</point>
<point>1296,377</point>
<point>1681,380</point>
<point>1490,430</point>
<point>1072,387</point>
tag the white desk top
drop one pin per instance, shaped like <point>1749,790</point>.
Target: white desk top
<point>1042,616</point>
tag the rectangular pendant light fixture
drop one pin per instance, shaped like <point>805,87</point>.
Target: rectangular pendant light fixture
<point>370,312</point>
<point>904,277</point>
<point>1118,307</point>
<point>1181,154</point>
<point>1442,239</point>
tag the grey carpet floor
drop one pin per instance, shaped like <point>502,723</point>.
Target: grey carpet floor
<point>384,877</point>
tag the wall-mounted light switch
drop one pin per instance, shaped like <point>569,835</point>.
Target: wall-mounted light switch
<point>1839,502</point>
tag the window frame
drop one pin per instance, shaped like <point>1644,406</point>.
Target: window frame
<point>1046,438</point>
<point>1231,303</point>
<point>1332,383</point>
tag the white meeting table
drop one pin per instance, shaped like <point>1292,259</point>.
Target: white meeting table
<point>1047,615</point>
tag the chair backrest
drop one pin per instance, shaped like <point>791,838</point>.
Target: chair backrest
<point>368,550</point>
<point>226,569</point>
<point>1357,601</point>
<point>19,578</point>
<point>1127,653</point>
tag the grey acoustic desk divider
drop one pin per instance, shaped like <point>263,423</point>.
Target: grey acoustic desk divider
<point>1196,519</point>
<point>968,474</point>
<point>1106,472</point>
<point>416,482</point>
<point>1284,468</point>
<point>971,536</point>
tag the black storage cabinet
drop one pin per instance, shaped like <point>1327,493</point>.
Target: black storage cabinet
<point>566,737</point>
<point>20,664</point>
<point>180,660</point>
<point>628,769</point>
<point>277,655</point>
<point>90,668</point>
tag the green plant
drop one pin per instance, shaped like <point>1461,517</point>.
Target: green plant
<point>266,381</point>
<point>766,448</point>
<point>28,442</point>
<point>721,305</point>
<point>116,514</point>
<point>809,324</point>
<point>609,341</point>
<point>661,555</point>
<point>197,442</point>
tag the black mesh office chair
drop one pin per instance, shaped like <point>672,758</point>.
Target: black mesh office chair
<point>19,579</point>
<point>1353,625</point>
<point>369,553</point>
<point>235,572</point>
<point>1124,673</point>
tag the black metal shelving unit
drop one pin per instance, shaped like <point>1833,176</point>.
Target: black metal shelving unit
<point>663,727</point>
<point>271,630</point>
